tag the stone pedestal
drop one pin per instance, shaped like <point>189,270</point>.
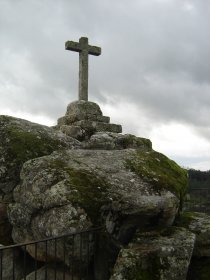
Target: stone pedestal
<point>83,119</point>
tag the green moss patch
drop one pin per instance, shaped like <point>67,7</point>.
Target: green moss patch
<point>88,190</point>
<point>159,171</point>
<point>25,145</point>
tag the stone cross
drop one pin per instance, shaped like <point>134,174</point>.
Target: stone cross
<point>84,50</point>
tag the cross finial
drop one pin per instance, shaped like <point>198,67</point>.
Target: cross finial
<point>84,50</point>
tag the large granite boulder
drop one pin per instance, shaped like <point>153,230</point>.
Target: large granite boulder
<point>74,189</point>
<point>21,140</point>
<point>157,255</point>
<point>58,185</point>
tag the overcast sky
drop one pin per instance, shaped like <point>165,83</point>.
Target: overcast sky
<point>153,75</point>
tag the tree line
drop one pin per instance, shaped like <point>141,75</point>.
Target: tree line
<point>199,179</point>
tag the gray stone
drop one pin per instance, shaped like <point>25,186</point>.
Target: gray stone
<point>199,224</point>
<point>84,50</point>
<point>73,131</point>
<point>157,255</point>
<point>116,141</point>
<point>98,126</point>
<point>70,119</point>
<point>82,109</point>
<point>88,116</point>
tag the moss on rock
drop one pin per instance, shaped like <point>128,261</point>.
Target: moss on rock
<point>159,171</point>
<point>90,192</point>
<point>22,140</point>
<point>26,145</point>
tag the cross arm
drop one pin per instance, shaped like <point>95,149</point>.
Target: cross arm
<point>94,50</point>
<point>72,46</point>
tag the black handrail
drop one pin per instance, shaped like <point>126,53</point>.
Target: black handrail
<point>68,254</point>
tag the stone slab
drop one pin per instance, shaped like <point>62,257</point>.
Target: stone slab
<point>98,126</point>
<point>72,118</point>
<point>83,107</point>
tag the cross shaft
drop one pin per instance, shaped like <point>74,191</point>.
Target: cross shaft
<point>84,50</point>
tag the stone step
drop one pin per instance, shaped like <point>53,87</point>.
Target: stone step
<point>72,118</point>
<point>99,126</point>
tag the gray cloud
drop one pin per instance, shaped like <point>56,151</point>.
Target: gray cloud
<point>155,55</point>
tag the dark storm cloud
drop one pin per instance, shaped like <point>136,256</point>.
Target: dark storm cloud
<point>155,54</point>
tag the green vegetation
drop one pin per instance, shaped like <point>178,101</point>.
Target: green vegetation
<point>86,189</point>
<point>199,179</point>
<point>24,145</point>
<point>91,192</point>
<point>159,171</point>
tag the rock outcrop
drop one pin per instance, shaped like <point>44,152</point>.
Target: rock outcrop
<point>21,140</point>
<point>156,255</point>
<point>59,185</point>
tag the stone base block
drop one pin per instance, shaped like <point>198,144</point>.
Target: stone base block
<point>83,107</point>
<point>98,126</point>
<point>72,118</point>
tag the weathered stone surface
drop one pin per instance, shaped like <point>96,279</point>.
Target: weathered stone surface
<point>22,140</point>
<point>84,50</point>
<point>83,110</point>
<point>88,116</point>
<point>199,224</point>
<point>71,190</point>
<point>71,119</point>
<point>156,255</point>
<point>73,131</point>
<point>115,141</point>
<point>93,126</point>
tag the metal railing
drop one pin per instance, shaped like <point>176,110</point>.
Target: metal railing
<point>65,257</point>
<point>198,200</point>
